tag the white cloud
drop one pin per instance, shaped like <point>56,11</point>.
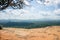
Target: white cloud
<point>45,13</point>
<point>26,2</point>
<point>48,2</point>
<point>45,2</point>
<point>57,12</point>
<point>25,16</point>
<point>56,1</point>
<point>25,11</point>
<point>38,1</point>
<point>28,14</point>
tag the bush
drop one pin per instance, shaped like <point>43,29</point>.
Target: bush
<point>0,27</point>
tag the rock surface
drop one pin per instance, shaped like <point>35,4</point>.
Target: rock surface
<point>47,33</point>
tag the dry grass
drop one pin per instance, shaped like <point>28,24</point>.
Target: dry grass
<point>48,33</point>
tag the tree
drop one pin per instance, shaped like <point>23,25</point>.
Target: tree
<point>19,4</point>
<point>4,4</point>
<point>15,4</point>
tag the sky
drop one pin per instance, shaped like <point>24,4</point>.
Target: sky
<point>36,9</point>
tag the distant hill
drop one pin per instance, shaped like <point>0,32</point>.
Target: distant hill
<point>29,24</point>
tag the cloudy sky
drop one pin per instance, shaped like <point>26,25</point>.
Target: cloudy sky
<point>36,9</point>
